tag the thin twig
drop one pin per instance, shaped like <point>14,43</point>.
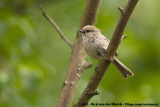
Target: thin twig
<point>55,26</point>
<point>86,66</point>
<point>120,9</point>
<point>123,37</point>
<point>112,47</point>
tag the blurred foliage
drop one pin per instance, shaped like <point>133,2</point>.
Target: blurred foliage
<point>34,59</point>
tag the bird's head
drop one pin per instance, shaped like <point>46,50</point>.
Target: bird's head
<point>89,30</point>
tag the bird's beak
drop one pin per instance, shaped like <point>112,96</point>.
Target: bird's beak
<point>81,31</point>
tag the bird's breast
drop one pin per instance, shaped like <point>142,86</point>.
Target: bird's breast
<point>90,45</point>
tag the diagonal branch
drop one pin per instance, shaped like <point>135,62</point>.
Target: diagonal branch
<point>55,26</point>
<point>104,63</point>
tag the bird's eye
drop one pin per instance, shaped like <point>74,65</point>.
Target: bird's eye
<point>87,30</point>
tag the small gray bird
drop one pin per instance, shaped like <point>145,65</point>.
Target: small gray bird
<point>95,44</point>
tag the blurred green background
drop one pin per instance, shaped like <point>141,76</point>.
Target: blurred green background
<point>34,59</point>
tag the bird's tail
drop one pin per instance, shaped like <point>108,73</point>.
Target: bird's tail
<point>122,68</point>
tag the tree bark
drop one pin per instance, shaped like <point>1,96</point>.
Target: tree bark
<point>77,61</point>
<point>103,65</point>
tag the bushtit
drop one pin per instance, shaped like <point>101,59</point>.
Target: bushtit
<point>95,44</point>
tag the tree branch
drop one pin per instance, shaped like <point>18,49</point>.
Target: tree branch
<point>105,62</point>
<point>77,58</point>
<point>56,27</point>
